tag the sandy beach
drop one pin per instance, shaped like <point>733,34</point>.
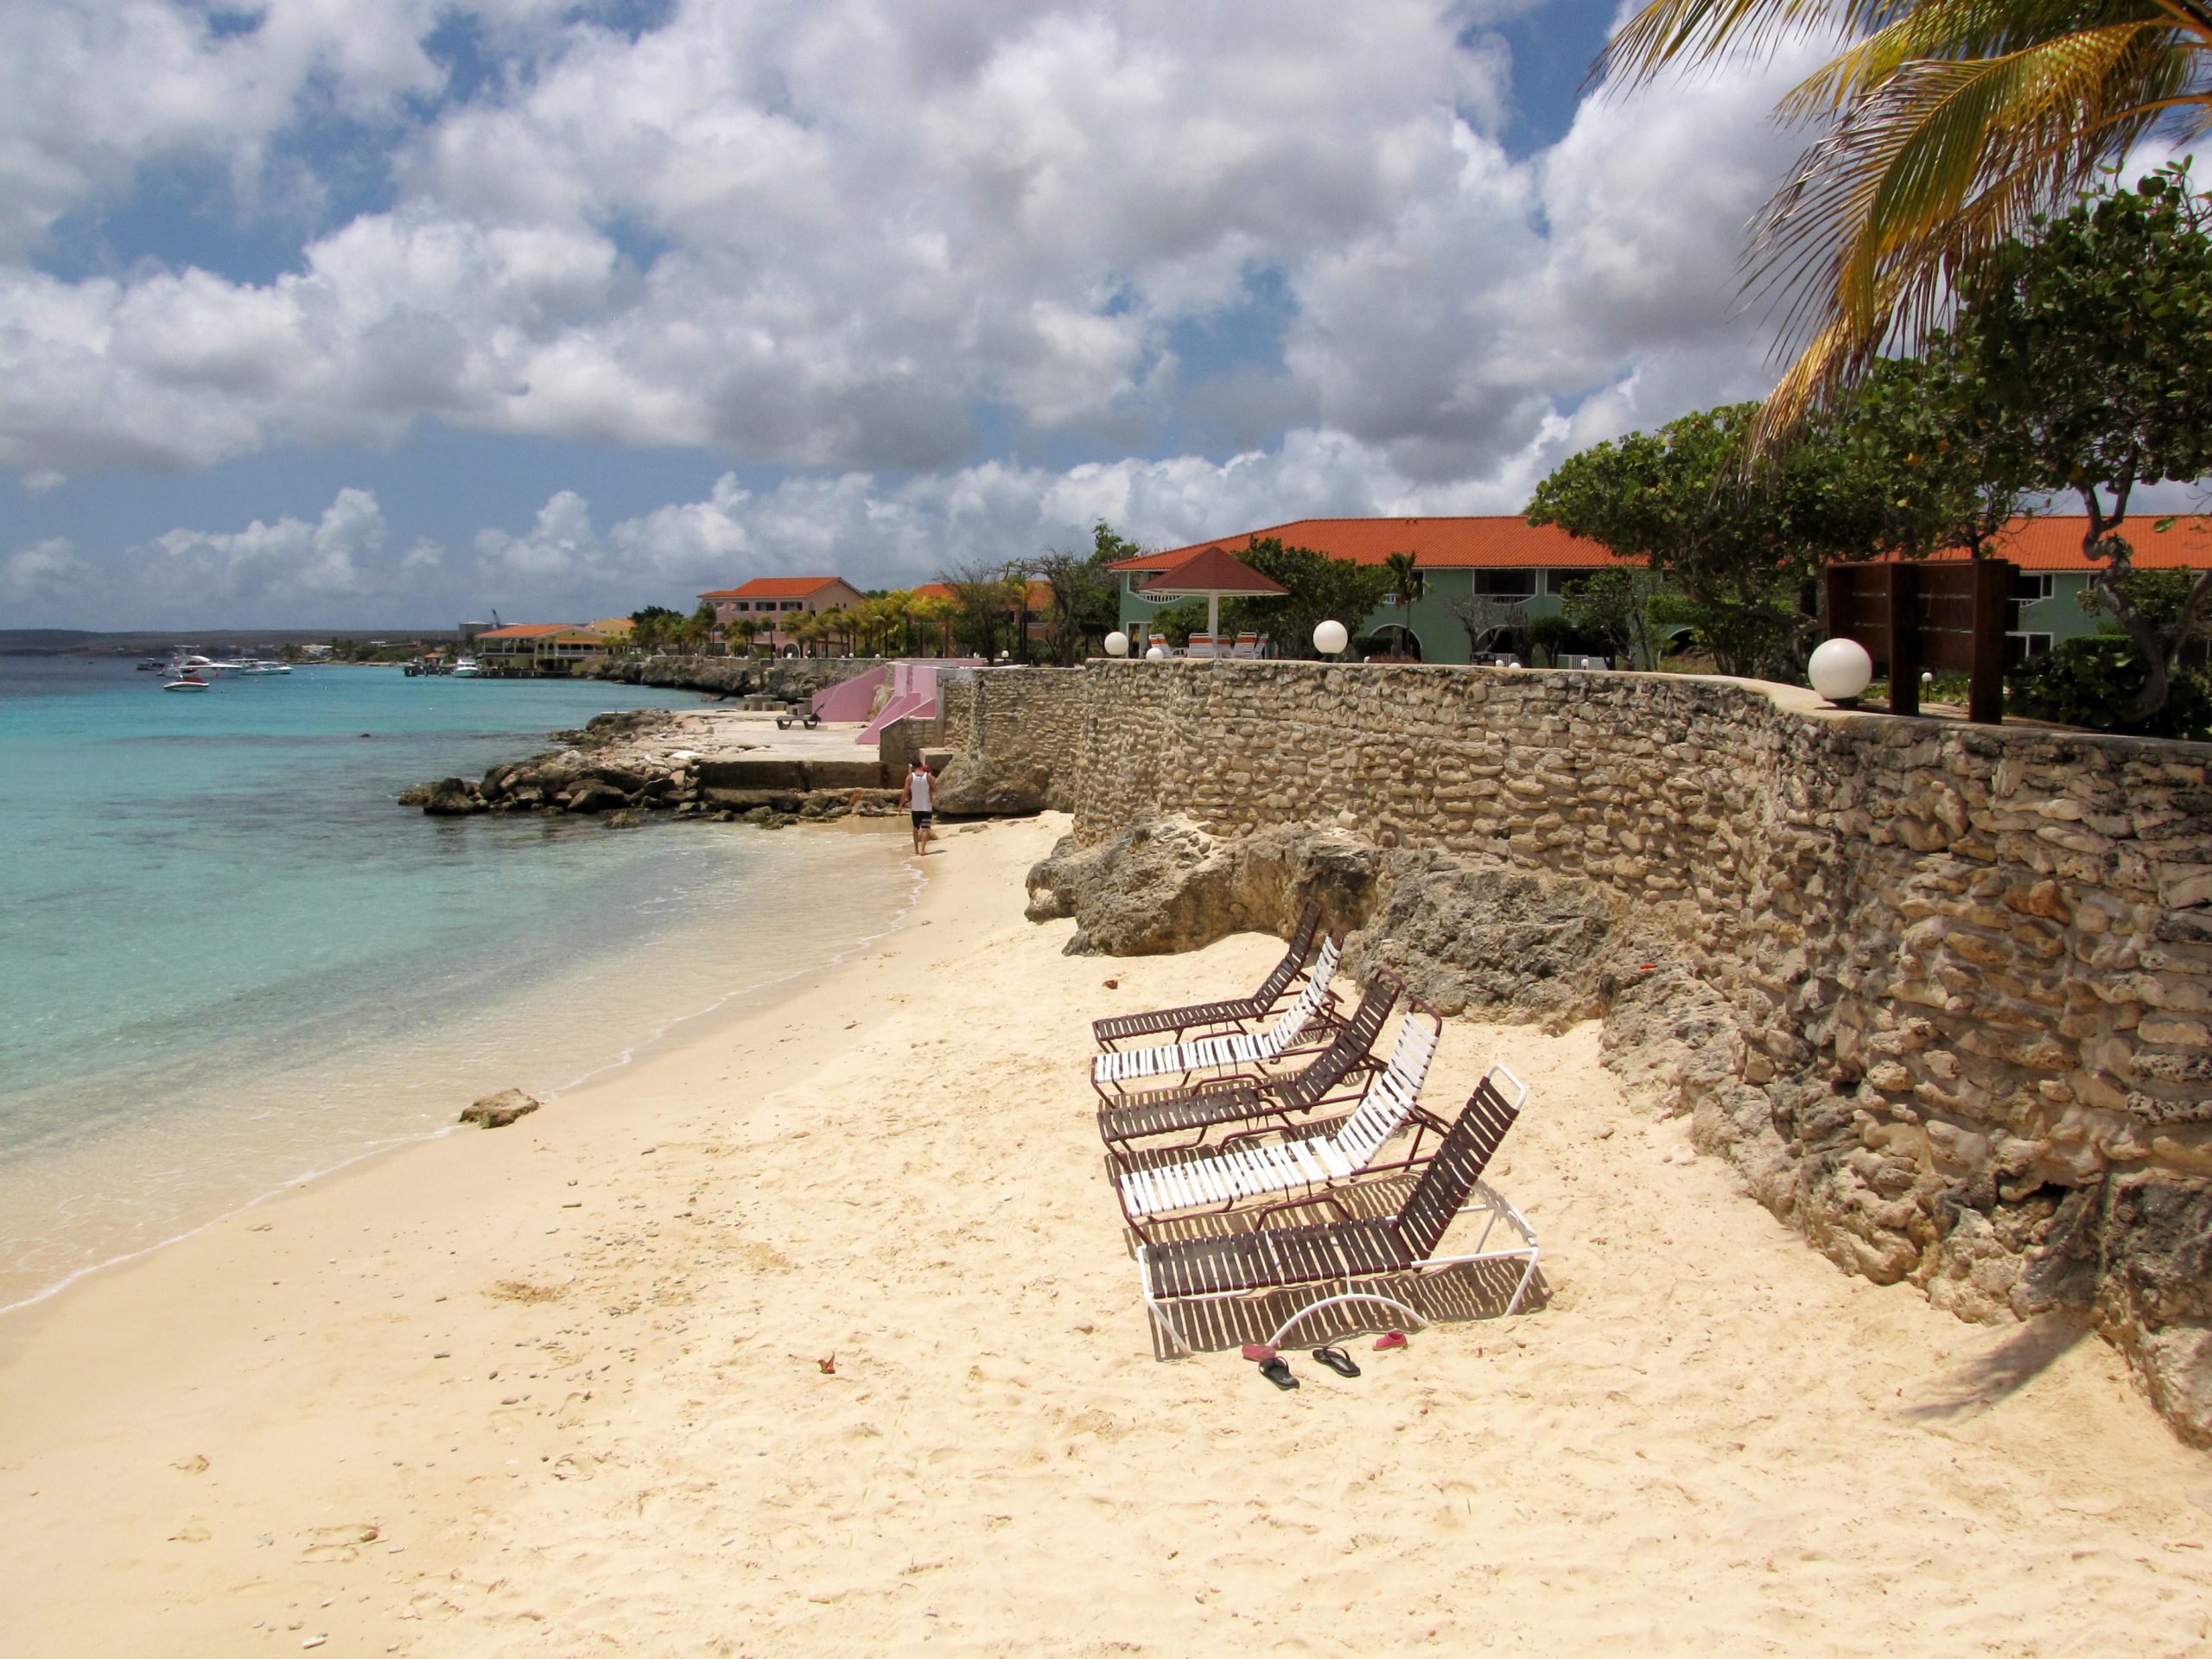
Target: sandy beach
<point>817,1335</point>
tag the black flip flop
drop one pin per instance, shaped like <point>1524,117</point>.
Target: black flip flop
<point>1277,1371</point>
<point>1337,1360</point>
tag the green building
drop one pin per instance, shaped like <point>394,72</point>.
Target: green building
<point>1520,572</point>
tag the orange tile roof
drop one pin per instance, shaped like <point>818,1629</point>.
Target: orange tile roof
<point>2054,542</point>
<point>1215,570</point>
<point>1499,541</point>
<point>526,631</point>
<point>778,587</point>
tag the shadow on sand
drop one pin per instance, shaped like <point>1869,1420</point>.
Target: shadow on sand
<point>2005,1370</point>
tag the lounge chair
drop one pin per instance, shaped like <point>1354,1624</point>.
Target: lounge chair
<point>1252,1101</point>
<point>1177,1023</point>
<point>1354,1252</point>
<point>1314,1157</point>
<point>1240,1051</point>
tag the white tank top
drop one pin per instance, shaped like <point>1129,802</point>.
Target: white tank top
<point>921,782</point>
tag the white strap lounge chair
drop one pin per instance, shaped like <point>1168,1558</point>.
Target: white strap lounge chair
<point>1228,1050</point>
<point>1267,1162</point>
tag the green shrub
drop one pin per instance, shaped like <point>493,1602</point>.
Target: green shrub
<point>2094,681</point>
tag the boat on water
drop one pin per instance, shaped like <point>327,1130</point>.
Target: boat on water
<point>465,668</point>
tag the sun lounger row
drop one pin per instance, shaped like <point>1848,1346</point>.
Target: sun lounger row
<point>1274,1144</point>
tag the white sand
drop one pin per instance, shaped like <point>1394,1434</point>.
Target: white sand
<point>1709,1440</point>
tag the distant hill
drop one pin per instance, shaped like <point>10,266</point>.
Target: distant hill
<point>51,642</point>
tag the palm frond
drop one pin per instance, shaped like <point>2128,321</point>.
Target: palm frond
<point>1932,169</point>
<point>1675,33</point>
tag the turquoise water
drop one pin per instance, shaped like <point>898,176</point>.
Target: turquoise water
<point>228,961</point>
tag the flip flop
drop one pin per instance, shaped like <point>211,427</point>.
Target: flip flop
<point>1337,1361</point>
<point>1390,1340</point>
<point>1277,1371</point>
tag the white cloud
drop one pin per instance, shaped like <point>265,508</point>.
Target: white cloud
<point>823,237</point>
<point>45,574</point>
<point>336,561</point>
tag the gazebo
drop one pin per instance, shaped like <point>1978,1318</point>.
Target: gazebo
<point>1213,576</point>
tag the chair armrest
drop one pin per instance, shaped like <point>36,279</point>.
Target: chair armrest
<point>1343,1214</point>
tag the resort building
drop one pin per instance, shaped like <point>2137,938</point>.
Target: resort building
<point>1504,573</point>
<point>768,601</point>
<point>1519,570</point>
<point>536,648</point>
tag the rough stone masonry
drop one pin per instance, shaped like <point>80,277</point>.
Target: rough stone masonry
<point>1942,993</point>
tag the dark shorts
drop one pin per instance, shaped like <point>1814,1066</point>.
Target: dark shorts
<point>921,820</point>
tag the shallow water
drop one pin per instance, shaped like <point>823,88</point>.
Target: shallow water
<point>228,961</point>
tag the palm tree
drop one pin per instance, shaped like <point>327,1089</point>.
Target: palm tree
<point>1950,124</point>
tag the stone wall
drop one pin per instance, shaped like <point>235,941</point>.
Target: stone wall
<point>1012,732</point>
<point>1965,972</point>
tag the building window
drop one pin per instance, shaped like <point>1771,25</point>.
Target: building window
<point>1505,584</point>
<point>2027,589</point>
<point>2024,647</point>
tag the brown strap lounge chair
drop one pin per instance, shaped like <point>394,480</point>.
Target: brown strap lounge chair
<point>1204,1017</point>
<point>1272,1160</point>
<point>1281,1099</point>
<point>1346,1258</point>
<point>1255,1053</point>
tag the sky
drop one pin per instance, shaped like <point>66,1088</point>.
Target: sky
<point>377,313</point>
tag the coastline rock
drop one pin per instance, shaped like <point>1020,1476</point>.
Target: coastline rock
<point>451,797</point>
<point>1165,885</point>
<point>496,1111</point>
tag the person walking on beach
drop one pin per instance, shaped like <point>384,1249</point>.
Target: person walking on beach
<point>916,798</point>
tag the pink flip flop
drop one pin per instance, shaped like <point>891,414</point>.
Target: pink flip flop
<point>1390,1340</point>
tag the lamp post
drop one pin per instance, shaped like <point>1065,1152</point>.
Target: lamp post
<point>1840,670</point>
<point>1157,654</point>
<point>1331,638</point>
<point>1117,644</point>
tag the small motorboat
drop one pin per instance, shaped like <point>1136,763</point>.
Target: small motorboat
<point>465,668</point>
<point>184,683</point>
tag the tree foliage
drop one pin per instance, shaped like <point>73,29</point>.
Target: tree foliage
<point>1746,556</point>
<point>2094,344</point>
<point>1321,588</point>
<point>1943,128</point>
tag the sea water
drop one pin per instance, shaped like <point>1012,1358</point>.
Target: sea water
<point>229,961</point>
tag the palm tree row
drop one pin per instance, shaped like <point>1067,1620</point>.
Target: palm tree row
<point>1946,128</point>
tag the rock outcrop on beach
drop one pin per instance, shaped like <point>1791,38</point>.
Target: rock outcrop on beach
<point>1166,884</point>
<point>496,1111</point>
<point>789,678</point>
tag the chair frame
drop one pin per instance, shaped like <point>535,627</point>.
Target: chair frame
<point>1206,1019</point>
<point>1347,1285</point>
<point>1175,1061</point>
<point>1122,1162</point>
<point>1221,1103</point>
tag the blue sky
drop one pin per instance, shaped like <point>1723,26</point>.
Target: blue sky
<point>378,314</point>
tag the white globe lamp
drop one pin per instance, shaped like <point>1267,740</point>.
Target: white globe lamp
<point>1330,638</point>
<point>1117,644</point>
<point>1839,670</point>
<point>1157,654</point>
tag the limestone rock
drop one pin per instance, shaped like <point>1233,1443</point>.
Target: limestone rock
<point>1475,932</point>
<point>1166,884</point>
<point>496,1111</point>
<point>450,797</point>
